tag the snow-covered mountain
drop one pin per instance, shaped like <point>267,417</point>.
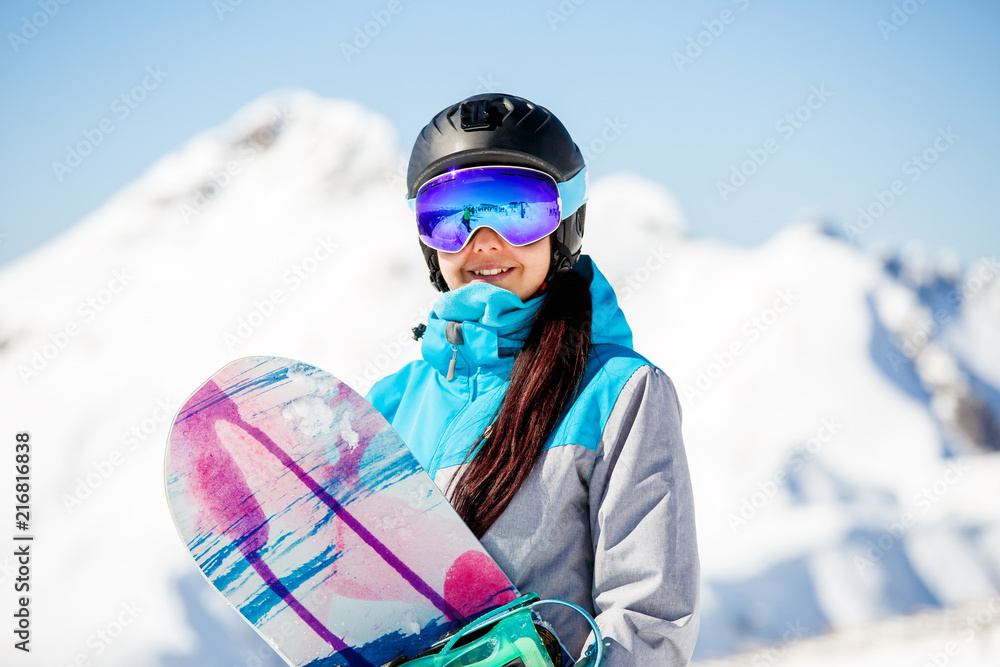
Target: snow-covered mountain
<point>840,410</point>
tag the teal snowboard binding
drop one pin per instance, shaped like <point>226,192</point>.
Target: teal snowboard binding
<point>506,637</point>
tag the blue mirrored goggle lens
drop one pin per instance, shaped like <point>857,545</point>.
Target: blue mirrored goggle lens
<point>522,205</point>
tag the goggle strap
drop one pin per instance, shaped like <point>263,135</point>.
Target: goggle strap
<point>574,193</point>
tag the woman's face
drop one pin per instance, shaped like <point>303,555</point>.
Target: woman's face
<point>525,267</point>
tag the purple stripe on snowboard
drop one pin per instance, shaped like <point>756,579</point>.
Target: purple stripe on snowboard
<point>390,558</point>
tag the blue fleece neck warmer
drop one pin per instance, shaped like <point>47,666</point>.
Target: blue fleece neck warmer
<point>487,304</point>
<point>494,325</point>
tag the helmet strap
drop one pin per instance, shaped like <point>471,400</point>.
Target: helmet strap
<point>562,259</point>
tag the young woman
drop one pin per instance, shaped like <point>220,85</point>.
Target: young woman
<point>557,443</point>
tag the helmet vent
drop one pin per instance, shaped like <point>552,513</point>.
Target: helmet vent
<point>480,115</point>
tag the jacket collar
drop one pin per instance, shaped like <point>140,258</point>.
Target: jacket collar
<point>495,323</point>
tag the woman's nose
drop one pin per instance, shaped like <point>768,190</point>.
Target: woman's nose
<point>485,238</point>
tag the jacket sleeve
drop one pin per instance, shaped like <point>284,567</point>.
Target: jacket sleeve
<point>646,569</point>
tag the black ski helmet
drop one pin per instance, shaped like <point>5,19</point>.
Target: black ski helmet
<point>502,129</point>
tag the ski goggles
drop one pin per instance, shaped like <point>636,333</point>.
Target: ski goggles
<point>522,205</point>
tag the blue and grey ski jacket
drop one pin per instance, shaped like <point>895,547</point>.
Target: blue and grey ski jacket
<point>606,518</point>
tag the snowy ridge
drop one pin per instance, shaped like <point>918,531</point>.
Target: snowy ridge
<point>840,410</point>
<point>963,636</point>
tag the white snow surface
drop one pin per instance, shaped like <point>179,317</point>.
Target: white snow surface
<point>840,491</point>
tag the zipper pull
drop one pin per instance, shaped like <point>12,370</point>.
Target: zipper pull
<point>453,332</point>
<point>451,365</point>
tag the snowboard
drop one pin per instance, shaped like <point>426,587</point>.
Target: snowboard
<point>304,508</point>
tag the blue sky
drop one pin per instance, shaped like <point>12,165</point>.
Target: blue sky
<point>753,114</point>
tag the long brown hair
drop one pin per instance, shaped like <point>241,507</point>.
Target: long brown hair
<point>543,383</point>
